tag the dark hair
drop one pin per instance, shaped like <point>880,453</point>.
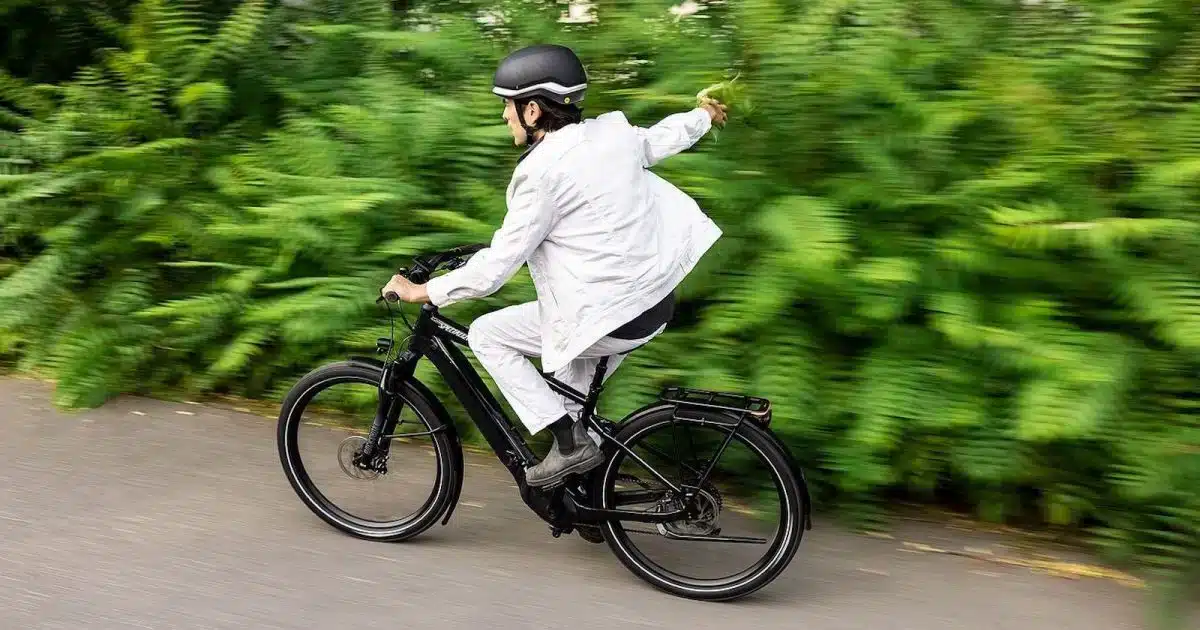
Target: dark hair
<point>554,116</point>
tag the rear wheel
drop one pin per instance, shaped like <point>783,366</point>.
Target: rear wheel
<point>323,425</point>
<point>751,486</point>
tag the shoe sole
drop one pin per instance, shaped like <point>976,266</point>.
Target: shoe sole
<point>583,466</point>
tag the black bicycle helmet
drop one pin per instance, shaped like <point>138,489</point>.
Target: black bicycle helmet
<point>547,70</point>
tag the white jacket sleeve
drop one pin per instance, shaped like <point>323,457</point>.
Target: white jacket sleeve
<point>526,223</point>
<point>672,134</point>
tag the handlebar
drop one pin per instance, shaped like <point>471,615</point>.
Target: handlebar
<point>424,265</point>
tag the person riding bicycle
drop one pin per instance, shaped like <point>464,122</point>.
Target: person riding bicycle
<point>606,240</point>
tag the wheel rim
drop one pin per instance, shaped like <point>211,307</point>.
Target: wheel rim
<point>774,553</point>
<point>318,499</point>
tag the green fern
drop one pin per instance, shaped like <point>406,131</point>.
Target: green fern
<point>961,237</point>
<point>791,376</point>
<point>811,234</point>
<point>233,38</point>
<point>1167,299</point>
<point>1121,35</point>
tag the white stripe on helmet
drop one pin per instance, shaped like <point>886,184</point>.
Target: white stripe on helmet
<point>549,86</point>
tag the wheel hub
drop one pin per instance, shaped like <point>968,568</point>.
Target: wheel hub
<point>354,463</point>
<point>703,516</point>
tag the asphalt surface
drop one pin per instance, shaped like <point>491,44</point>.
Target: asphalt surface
<point>149,514</point>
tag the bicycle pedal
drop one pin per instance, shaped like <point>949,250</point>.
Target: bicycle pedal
<point>550,487</point>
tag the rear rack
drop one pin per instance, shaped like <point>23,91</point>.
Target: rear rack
<point>759,409</point>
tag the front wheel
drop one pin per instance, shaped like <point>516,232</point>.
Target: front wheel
<point>323,426</point>
<point>750,490</point>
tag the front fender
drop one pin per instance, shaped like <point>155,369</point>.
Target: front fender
<point>442,416</point>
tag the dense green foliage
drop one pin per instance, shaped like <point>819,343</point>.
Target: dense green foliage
<point>961,248</point>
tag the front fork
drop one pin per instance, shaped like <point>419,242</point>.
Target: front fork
<point>390,405</point>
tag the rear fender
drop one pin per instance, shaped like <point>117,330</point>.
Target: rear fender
<point>734,417</point>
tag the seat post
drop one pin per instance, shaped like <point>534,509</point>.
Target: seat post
<point>589,404</point>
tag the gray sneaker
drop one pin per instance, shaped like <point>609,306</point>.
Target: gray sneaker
<point>556,465</point>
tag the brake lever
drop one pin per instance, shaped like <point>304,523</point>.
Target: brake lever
<point>391,296</point>
<point>427,267</point>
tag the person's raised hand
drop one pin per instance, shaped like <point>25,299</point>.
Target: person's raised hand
<point>716,110</point>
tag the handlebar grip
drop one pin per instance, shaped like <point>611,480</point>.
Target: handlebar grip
<point>391,296</point>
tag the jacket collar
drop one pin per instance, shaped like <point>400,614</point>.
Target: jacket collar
<point>526,152</point>
<point>546,136</point>
<point>531,147</point>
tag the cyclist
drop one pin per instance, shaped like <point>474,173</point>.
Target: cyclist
<point>606,240</point>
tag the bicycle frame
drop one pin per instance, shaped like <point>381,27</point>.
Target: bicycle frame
<point>436,338</point>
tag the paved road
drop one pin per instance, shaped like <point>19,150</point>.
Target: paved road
<point>139,516</point>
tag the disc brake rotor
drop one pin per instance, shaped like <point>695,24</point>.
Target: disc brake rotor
<point>349,456</point>
<point>705,523</point>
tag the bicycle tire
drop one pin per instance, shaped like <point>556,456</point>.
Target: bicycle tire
<point>792,532</point>
<point>447,450</point>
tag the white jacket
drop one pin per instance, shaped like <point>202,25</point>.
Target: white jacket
<point>604,237</point>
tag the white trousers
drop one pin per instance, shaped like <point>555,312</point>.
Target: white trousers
<point>502,340</point>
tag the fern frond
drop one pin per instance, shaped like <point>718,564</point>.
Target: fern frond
<point>750,301</point>
<point>790,375</point>
<point>885,286</point>
<point>958,316</point>
<point>1046,227</point>
<point>1178,83</point>
<point>989,454</point>
<point>130,158</point>
<point>25,288</point>
<point>234,357</point>
<point>21,94</point>
<point>812,235</point>
<point>204,306</point>
<point>203,100</point>
<point>174,30</point>
<point>237,32</point>
<point>1168,299</point>
<point>1074,403</point>
<point>1121,37</point>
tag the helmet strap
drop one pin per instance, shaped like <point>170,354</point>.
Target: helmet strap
<point>530,137</point>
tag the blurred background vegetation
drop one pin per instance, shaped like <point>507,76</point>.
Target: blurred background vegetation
<point>961,250</point>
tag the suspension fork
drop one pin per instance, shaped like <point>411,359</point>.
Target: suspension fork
<point>391,404</point>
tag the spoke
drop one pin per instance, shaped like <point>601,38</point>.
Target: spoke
<point>655,451</point>
<point>636,497</point>
<point>675,443</point>
<point>628,451</point>
<point>409,435</point>
<point>713,463</point>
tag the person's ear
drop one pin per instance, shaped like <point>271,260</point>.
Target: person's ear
<point>533,111</point>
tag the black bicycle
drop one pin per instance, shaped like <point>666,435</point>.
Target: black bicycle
<point>685,498</point>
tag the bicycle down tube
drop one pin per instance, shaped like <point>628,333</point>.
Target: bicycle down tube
<point>435,337</point>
